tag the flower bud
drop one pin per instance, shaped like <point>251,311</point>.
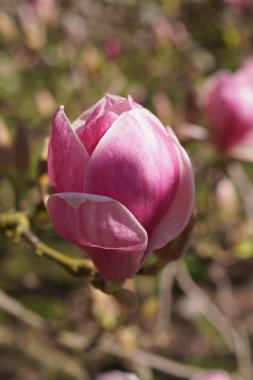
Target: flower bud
<point>123,184</point>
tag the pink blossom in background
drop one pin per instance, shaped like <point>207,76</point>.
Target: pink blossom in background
<point>117,375</point>
<point>227,102</point>
<point>212,375</point>
<point>32,11</point>
<point>123,184</point>
<point>243,5</point>
<point>112,48</point>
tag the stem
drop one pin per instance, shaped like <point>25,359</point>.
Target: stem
<point>19,224</point>
<point>244,186</point>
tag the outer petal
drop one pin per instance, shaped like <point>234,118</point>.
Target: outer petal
<point>67,157</point>
<point>135,163</point>
<point>104,228</point>
<point>178,215</point>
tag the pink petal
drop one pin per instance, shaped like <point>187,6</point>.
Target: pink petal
<point>211,98</point>
<point>211,375</point>
<point>97,110</point>
<point>67,157</point>
<point>135,164</point>
<point>103,228</point>
<point>178,215</point>
<point>94,129</point>
<point>98,107</point>
<point>124,105</point>
<point>102,118</point>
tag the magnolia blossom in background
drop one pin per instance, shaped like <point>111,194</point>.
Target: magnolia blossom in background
<point>243,5</point>
<point>117,375</point>
<point>112,48</point>
<point>212,375</point>
<point>123,184</point>
<point>227,102</point>
<point>32,11</point>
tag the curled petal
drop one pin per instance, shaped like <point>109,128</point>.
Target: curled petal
<point>94,129</point>
<point>103,228</point>
<point>135,163</point>
<point>178,215</point>
<point>101,119</point>
<point>124,105</point>
<point>67,157</point>
<point>97,110</point>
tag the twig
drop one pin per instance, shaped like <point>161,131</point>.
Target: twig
<point>206,307</point>
<point>76,343</point>
<point>36,348</point>
<point>244,186</point>
<point>165,299</point>
<point>204,304</point>
<point>154,361</point>
<point>227,302</point>
<point>20,226</point>
<point>16,309</point>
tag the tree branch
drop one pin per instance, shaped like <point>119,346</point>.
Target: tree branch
<point>18,224</point>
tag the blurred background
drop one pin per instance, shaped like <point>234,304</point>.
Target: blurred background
<point>198,312</point>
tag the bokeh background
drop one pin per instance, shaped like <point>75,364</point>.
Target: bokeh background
<point>198,311</point>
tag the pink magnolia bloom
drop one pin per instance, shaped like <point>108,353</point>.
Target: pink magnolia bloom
<point>32,11</point>
<point>117,375</point>
<point>124,185</point>
<point>212,375</point>
<point>227,102</point>
<point>112,48</point>
<point>243,5</point>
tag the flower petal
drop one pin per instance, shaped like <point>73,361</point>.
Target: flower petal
<point>97,110</point>
<point>67,157</point>
<point>94,129</point>
<point>135,163</point>
<point>103,228</point>
<point>101,118</point>
<point>176,219</point>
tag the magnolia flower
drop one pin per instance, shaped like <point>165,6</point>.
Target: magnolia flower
<point>227,101</point>
<point>123,184</point>
<point>243,5</point>
<point>117,375</point>
<point>212,375</point>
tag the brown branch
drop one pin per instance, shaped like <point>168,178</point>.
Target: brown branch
<point>33,346</point>
<point>16,309</point>
<point>17,225</point>
<point>244,186</point>
<point>165,299</point>
<point>228,304</point>
<point>224,326</point>
<point>76,343</point>
<point>138,356</point>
